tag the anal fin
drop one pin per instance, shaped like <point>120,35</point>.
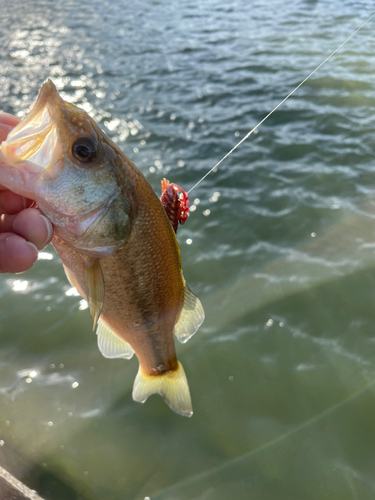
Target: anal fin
<point>110,344</point>
<point>191,317</point>
<point>172,386</point>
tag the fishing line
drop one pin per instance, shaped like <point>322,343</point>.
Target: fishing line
<point>280,103</point>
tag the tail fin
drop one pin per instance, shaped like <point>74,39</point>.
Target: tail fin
<point>172,386</point>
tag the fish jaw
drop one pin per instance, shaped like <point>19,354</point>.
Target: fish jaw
<point>17,180</point>
<point>33,144</point>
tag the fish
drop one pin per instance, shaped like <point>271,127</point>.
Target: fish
<point>114,238</point>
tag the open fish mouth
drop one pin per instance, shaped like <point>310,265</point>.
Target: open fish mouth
<point>35,139</point>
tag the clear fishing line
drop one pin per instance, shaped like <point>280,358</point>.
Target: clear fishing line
<point>282,102</point>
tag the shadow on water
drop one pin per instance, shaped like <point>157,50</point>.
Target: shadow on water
<point>13,465</point>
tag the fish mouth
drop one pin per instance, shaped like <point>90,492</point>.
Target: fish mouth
<point>34,140</point>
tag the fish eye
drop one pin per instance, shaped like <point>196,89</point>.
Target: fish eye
<point>85,150</point>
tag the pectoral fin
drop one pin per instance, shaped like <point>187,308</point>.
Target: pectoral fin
<point>94,284</point>
<point>110,344</point>
<point>191,317</point>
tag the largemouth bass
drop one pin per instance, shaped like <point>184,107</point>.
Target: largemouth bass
<point>117,246</point>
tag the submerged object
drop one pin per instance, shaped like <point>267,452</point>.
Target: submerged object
<point>113,236</point>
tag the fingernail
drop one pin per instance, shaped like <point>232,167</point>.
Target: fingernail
<point>49,229</point>
<point>32,245</point>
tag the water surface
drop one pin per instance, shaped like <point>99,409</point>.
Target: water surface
<point>279,247</point>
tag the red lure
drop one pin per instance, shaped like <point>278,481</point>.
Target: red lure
<point>175,202</point>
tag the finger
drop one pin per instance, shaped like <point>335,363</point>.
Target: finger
<point>11,203</point>
<point>16,254</point>
<point>7,122</point>
<point>31,225</point>
<point>8,119</point>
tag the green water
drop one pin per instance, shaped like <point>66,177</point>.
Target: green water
<point>282,372</point>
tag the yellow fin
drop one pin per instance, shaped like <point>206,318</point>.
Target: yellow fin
<point>172,386</point>
<point>110,344</point>
<point>191,317</point>
<point>94,283</point>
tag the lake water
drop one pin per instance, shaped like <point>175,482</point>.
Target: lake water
<point>280,248</point>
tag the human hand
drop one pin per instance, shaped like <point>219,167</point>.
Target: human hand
<point>23,230</point>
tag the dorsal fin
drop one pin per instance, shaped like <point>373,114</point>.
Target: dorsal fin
<point>191,317</point>
<point>110,344</point>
